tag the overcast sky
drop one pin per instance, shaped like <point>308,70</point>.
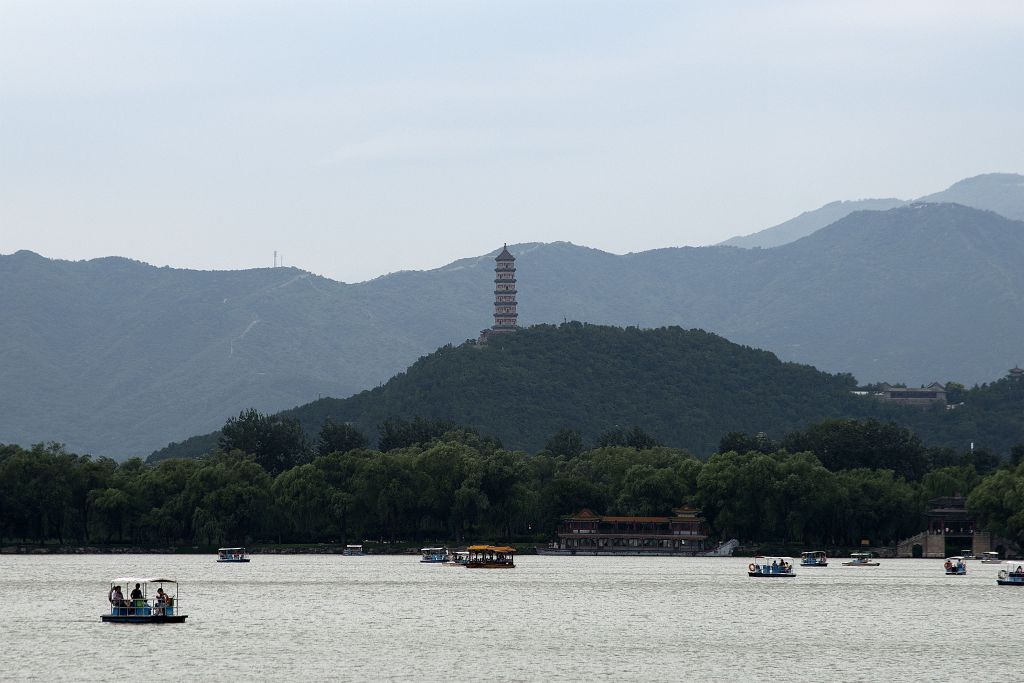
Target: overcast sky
<point>362,138</point>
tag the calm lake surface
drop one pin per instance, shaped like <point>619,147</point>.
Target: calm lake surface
<point>567,618</point>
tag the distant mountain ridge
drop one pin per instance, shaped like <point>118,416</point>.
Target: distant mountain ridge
<point>808,222</point>
<point>117,357</point>
<point>1002,193</point>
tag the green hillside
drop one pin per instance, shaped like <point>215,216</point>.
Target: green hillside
<point>686,388</point>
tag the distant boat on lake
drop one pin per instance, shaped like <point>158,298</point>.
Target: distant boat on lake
<point>353,549</point>
<point>813,558</point>
<point>770,568</point>
<point>1011,575</point>
<point>860,560</point>
<point>232,555</point>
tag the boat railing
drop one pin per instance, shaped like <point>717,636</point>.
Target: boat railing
<point>139,607</point>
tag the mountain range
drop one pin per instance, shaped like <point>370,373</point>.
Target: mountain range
<point>999,192</point>
<point>117,357</point>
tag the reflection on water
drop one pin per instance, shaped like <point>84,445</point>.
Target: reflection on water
<point>550,618</point>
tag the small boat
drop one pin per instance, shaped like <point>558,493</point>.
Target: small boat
<point>813,558</point>
<point>434,555</point>
<point>353,549</point>
<point>160,607</point>
<point>860,560</point>
<point>232,555</point>
<point>956,566</point>
<point>969,555</point>
<point>458,558</point>
<point>491,557</point>
<point>991,558</point>
<point>770,567</point>
<point>1012,575</point>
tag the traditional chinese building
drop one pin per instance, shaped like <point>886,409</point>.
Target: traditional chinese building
<point>505,306</point>
<point>587,533</point>
<point>932,394</point>
<point>951,529</point>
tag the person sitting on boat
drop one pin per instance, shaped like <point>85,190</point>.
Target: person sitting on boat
<point>116,597</point>
<point>1020,570</point>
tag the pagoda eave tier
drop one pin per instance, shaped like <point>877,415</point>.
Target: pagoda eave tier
<point>506,315</point>
<point>506,292</point>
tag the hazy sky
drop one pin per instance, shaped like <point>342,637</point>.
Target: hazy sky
<point>361,138</point>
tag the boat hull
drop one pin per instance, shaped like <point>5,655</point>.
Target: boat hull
<point>808,566</point>
<point>860,564</point>
<point>245,560</point>
<point>489,565</point>
<point>1007,582</point>
<point>144,618</point>
<point>759,575</point>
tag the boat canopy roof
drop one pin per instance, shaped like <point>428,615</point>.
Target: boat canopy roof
<point>860,554</point>
<point>991,553</point>
<point>812,552</point>
<point>221,550</point>
<point>768,558</point>
<point>430,550</point>
<point>134,579</point>
<point>493,548</point>
<point>955,557</point>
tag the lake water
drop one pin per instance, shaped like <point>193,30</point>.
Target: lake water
<point>567,618</point>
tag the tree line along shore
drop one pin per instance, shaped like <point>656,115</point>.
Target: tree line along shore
<point>833,484</point>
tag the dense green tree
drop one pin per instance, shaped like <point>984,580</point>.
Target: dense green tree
<point>567,442</point>
<point>339,438</point>
<point>398,433</point>
<point>275,442</point>
<point>853,444</point>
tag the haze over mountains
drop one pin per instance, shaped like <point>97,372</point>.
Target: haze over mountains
<point>999,192</point>
<point>117,357</point>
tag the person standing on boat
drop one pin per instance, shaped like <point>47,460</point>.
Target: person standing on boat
<point>116,597</point>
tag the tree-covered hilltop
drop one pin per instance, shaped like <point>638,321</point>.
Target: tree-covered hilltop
<point>684,387</point>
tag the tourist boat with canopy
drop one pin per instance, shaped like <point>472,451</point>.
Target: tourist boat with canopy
<point>1011,575</point>
<point>434,555</point>
<point>353,549</point>
<point>150,606</point>
<point>232,555</point>
<point>991,558</point>
<point>956,566</point>
<point>491,557</point>
<point>860,560</point>
<point>771,567</point>
<point>813,558</point>
<point>458,558</point>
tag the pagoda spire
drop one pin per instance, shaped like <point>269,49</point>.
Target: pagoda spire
<point>505,313</point>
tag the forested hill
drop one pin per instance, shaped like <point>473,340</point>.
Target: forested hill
<point>685,388</point>
<point>115,357</point>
